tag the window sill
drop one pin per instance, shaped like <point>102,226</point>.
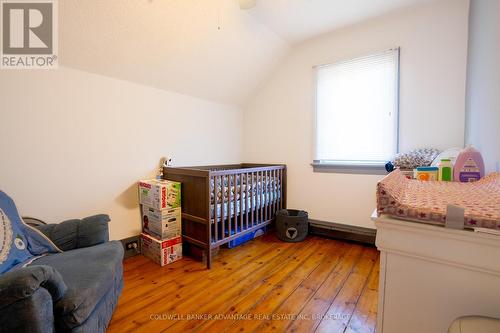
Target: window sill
<point>350,168</point>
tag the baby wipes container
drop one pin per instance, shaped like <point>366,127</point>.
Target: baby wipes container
<point>469,166</point>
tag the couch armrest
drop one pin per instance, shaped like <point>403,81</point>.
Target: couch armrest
<point>22,283</point>
<point>74,234</point>
<point>34,314</point>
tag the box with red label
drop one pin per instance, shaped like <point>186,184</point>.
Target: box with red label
<point>161,224</point>
<point>162,252</point>
<point>160,194</point>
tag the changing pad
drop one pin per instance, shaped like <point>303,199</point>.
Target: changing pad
<point>426,201</point>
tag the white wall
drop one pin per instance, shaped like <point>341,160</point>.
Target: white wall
<point>483,81</point>
<point>279,119</point>
<point>75,144</point>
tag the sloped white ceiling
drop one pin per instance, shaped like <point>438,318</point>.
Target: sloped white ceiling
<point>297,20</point>
<point>205,48</point>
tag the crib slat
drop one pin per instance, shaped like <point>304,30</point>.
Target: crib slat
<point>235,213</point>
<point>277,191</point>
<point>257,196</point>
<point>281,187</point>
<point>276,188</point>
<point>229,205</point>
<point>269,195</point>
<point>266,195</point>
<point>264,189</point>
<point>252,197</point>
<point>235,197</point>
<point>247,205</point>
<point>270,190</point>
<point>222,205</point>
<point>216,235</point>
<point>261,196</point>
<point>273,192</point>
<point>266,204</point>
<point>241,201</point>
<point>271,198</point>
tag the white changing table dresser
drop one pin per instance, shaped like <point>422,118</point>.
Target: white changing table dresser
<point>430,275</point>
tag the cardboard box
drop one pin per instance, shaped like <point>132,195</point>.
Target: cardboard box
<point>162,252</point>
<point>161,224</point>
<point>160,194</point>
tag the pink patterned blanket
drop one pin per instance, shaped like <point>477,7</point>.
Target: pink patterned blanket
<point>426,201</point>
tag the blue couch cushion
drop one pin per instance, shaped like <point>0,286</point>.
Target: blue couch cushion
<point>74,234</point>
<point>89,274</point>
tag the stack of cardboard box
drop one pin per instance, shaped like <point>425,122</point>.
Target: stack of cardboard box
<point>161,219</point>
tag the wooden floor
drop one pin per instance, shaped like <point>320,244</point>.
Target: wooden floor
<point>319,285</point>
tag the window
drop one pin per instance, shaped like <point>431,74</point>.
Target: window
<point>357,111</point>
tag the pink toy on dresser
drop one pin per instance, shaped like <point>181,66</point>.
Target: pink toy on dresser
<point>469,166</point>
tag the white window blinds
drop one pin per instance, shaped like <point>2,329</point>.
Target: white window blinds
<point>357,109</point>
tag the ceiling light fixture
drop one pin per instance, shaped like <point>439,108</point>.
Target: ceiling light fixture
<point>247,4</point>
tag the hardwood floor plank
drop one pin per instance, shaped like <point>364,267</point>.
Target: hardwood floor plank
<point>340,311</point>
<point>330,257</point>
<point>187,301</point>
<point>152,277</point>
<point>259,279</point>
<point>318,305</point>
<point>292,307</point>
<point>364,318</point>
<point>133,263</point>
<point>137,299</point>
<point>246,307</point>
<point>253,288</point>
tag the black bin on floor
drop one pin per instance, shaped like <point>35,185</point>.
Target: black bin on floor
<point>292,225</point>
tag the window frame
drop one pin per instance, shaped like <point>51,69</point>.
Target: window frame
<point>353,167</point>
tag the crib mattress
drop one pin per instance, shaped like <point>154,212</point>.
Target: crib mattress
<point>255,187</point>
<point>253,202</point>
<point>427,201</point>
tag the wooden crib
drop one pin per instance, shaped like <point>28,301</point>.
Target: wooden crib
<point>223,202</point>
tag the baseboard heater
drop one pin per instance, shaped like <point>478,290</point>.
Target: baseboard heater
<point>342,231</point>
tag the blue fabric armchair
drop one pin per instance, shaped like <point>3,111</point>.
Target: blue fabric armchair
<point>73,291</point>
